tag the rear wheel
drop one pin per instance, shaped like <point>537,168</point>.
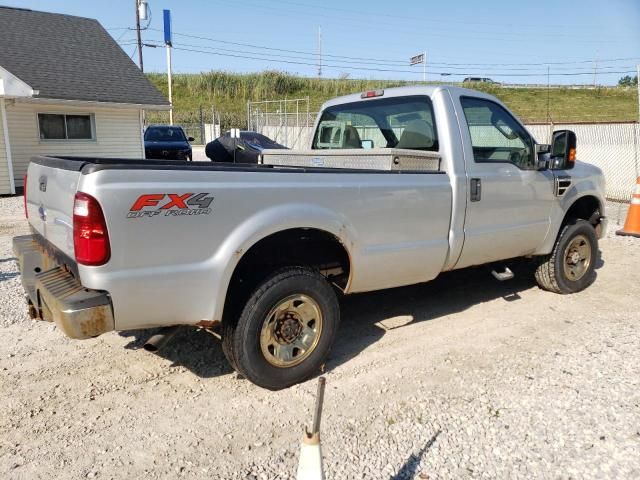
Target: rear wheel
<point>570,266</point>
<point>285,329</point>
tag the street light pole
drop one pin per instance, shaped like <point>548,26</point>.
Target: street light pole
<point>170,83</point>
<point>168,42</point>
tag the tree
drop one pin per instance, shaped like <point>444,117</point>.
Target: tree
<point>628,81</point>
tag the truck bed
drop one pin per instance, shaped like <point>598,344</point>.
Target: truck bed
<point>88,165</point>
<point>394,224</point>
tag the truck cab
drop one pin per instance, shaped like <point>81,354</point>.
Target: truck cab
<point>510,193</point>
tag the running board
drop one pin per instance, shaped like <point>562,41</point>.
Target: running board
<point>505,274</point>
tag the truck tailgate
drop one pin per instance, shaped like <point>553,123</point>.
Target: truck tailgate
<point>50,193</point>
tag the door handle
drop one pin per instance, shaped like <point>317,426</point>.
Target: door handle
<point>476,190</point>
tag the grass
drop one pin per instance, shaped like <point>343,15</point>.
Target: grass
<point>229,93</point>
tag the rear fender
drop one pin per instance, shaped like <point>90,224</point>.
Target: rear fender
<point>268,222</point>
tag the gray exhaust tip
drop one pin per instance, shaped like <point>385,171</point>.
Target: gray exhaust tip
<point>150,347</point>
<point>160,339</point>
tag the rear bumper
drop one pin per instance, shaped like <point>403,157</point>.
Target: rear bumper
<point>54,293</point>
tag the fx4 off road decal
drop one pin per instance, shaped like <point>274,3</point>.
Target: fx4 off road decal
<point>171,205</point>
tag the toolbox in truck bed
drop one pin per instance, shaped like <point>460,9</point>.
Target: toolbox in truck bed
<point>356,158</point>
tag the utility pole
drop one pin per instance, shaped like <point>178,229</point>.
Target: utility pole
<point>548,94</point>
<point>595,70</point>
<point>319,52</point>
<point>139,35</point>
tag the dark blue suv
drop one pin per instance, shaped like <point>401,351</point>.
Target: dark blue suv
<point>167,142</point>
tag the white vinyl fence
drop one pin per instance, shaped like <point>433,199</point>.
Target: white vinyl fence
<point>614,147</point>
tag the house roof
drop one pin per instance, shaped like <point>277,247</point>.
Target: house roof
<point>71,58</point>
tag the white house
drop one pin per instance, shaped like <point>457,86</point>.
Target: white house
<point>66,88</point>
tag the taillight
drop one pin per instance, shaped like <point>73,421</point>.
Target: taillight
<point>24,196</point>
<point>90,237</point>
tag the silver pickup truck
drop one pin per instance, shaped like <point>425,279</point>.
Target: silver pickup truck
<point>395,187</point>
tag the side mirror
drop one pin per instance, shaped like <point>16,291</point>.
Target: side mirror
<point>563,150</point>
<point>190,139</point>
<point>366,144</point>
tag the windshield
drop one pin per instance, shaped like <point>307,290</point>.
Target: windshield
<point>396,122</point>
<point>164,134</point>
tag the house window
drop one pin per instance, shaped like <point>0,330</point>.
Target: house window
<point>55,126</point>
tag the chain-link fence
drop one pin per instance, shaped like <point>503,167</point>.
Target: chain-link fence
<point>203,124</point>
<point>614,147</point>
<point>285,121</point>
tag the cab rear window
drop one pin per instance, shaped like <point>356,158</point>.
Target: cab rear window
<point>396,122</point>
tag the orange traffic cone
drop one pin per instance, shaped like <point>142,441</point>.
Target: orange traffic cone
<point>632,223</point>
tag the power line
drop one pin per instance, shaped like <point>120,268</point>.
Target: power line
<point>444,73</point>
<point>227,42</point>
<point>272,59</point>
<point>378,60</point>
<point>540,64</point>
<point>122,35</point>
<point>315,57</point>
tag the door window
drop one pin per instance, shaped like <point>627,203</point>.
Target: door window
<point>496,136</point>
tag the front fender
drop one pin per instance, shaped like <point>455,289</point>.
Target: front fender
<point>580,188</point>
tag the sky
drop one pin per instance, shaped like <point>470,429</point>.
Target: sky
<point>508,41</point>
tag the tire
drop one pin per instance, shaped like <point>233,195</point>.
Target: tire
<point>561,272</point>
<point>227,343</point>
<point>285,330</point>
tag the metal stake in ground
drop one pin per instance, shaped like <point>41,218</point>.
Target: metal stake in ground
<point>310,465</point>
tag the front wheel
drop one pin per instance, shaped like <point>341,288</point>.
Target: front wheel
<point>285,330</point>
<point>570,266</point>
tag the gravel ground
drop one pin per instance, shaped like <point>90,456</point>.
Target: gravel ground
<point>463,377</point>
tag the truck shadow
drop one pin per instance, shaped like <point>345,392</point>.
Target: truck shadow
<point>194,349</point>
<point>366,317</point>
